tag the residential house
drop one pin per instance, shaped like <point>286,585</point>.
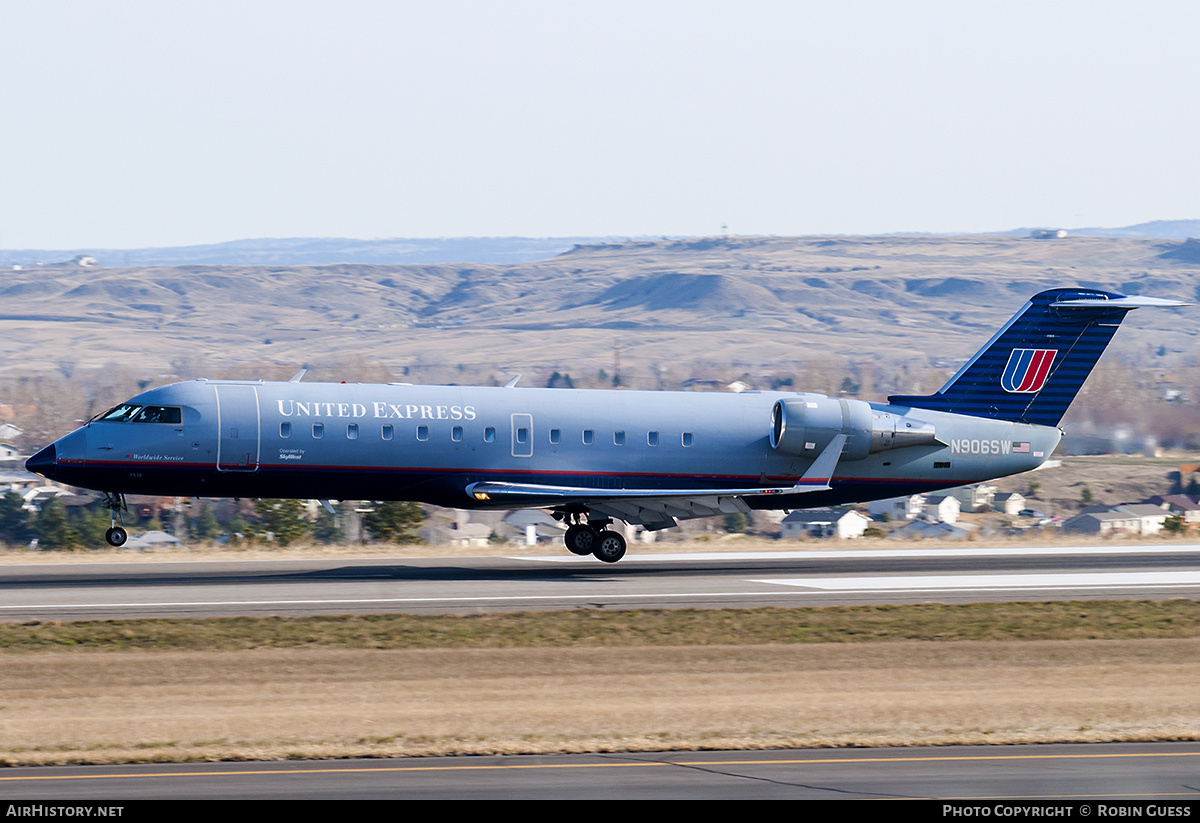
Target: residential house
<point>1103,523</point>
<point>977,498</point>
<point>921,530</point>
<point>840,523</point>
<point>1151,517</point>
<point>898,508</point>
<point>1179,504</point>
<point>941,508</point>
<point>1010,503</point>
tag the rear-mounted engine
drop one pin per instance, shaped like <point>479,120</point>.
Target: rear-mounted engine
<point>804,426</point>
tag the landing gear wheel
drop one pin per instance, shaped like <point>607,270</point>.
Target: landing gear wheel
<point>610,546</point>
<point>116,536</point>
<point>580,539</point>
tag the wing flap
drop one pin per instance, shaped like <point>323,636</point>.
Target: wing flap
<point>659,507</point>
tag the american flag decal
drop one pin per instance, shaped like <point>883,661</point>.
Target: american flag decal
<point>1027,370</point>
<point>1020,448</point>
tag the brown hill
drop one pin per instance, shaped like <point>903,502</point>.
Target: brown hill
<point>718,307</point>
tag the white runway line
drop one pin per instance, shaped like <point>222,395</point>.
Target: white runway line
<point>994,581</point>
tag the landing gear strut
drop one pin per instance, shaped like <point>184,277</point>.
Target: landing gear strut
<point>116,535</point>
<point>592,537</point>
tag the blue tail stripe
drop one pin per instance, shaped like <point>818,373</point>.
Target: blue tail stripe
<point>987,385</point>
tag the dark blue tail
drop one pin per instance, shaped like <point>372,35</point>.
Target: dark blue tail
<point>1031,370</point>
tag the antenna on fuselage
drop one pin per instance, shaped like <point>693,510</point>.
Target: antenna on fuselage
<point>512,382</point>
<point>296,377</point>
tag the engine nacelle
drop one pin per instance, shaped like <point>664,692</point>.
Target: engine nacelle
<point>804,426</point>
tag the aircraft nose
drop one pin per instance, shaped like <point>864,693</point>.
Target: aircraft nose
<point>44,461</point>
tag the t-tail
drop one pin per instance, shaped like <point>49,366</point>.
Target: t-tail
<point>1031,370</point>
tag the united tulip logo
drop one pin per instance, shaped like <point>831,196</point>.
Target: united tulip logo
<point>1027,370</point>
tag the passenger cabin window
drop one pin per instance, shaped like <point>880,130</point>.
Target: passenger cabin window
<point>652,438</point>
<point>489,434</point>
<point>388,432</point>
<point>422,432</point>
<point>687,438</point>
<point>318,430</point>
<point>588,436</point>
<point>456,434</point>
<point>285,429</point>
<point>618,438</point>
<point>522,435</point>
<point>555,436</point>
<point>352,431</point>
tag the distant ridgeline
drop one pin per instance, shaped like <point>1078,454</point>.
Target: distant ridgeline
<point>314,251</point>
<point>322,251</point>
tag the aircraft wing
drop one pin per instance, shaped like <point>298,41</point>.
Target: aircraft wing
<point>655,508</point>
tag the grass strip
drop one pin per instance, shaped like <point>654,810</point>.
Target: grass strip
<point>1075,620</point>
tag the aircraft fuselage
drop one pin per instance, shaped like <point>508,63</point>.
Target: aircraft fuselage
<point>430,443</point>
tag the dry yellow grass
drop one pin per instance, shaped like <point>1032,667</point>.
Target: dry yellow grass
<point>278,703</point>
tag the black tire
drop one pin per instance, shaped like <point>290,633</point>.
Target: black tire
<point>116,536</point>
<point>580,539</point>
<point>610,546</point>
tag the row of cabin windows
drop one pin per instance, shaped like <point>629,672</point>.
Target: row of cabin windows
<point>388,432</point>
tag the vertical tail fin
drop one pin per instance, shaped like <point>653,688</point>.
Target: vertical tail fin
<point>1032,368</point>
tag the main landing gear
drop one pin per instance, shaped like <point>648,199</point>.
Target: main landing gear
<point>592,537</point>
<point>116,536</point>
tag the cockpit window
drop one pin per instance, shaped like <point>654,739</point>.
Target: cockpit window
<point>159,414</point>
<point>121,413</point>
<point>134,413</point>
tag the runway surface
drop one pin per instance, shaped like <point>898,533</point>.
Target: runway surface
<point>1160,774</point>
<point>490,584</point>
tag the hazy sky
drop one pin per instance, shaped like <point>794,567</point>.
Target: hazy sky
<point>167,123</point>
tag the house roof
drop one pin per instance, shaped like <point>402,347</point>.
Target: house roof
<point>1144,510</point>
<point>531,517</point>
<point>1104,516</point>
<point>815,516</point>
<point>154,538</point>
<point>919,528</point>
<point>1180,500</point>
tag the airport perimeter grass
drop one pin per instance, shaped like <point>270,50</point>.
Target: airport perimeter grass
<point>1080,620</point>
<point>396,685</point>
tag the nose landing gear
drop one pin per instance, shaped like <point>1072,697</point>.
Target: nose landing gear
<point>116,535</point>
